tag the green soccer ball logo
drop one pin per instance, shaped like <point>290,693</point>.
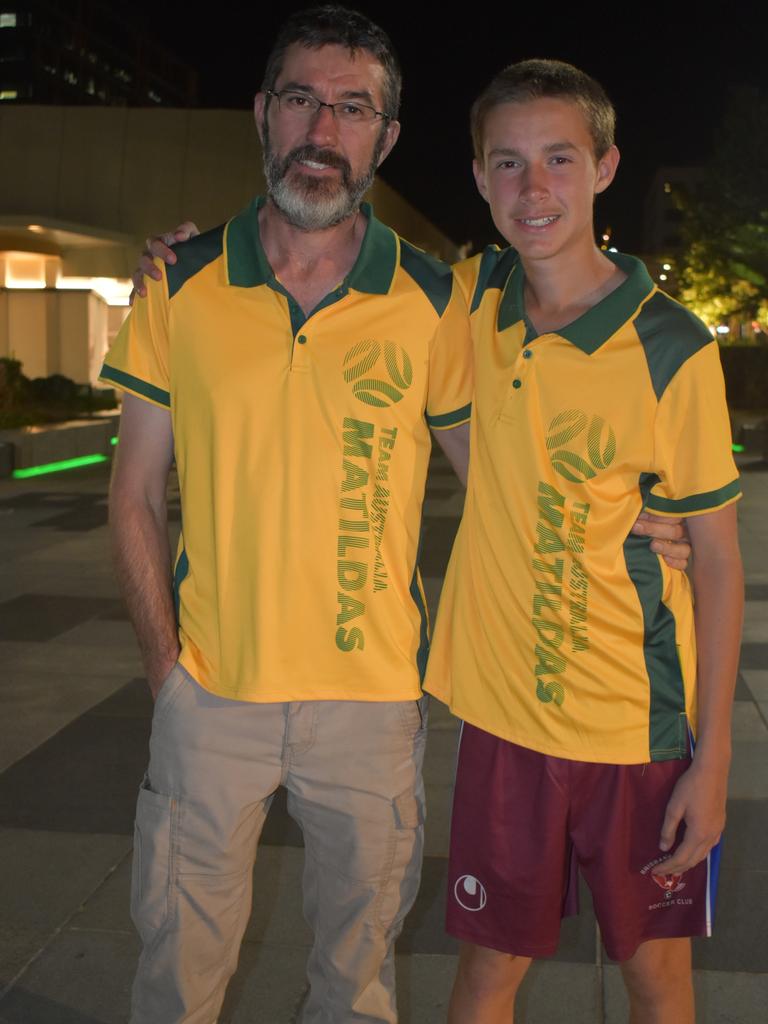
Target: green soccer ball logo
<point>601,445</point>
<point>364,359</point>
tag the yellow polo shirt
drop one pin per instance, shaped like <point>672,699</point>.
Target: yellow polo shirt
<point>302,446</point>
<point>558,630</point>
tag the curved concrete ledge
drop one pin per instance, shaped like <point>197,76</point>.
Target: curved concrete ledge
<point>31,447</point>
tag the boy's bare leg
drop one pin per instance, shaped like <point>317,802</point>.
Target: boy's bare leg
<point>486,985</point>
<point>659,982</point>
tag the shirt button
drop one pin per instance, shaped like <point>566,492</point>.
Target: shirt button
<point>517,383</point>
<point>527,353</point>
<point>302,339</point>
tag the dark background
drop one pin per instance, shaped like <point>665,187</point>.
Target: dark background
<point>668,68</point>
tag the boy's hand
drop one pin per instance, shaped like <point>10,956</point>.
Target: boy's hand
<point>158,247</point>
<point>669,538</point>
<point>698,799</point>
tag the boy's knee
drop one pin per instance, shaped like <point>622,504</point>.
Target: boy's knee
<point>486,972</point>
<point>658,968</point>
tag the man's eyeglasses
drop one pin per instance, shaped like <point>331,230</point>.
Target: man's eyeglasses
<point>304,106</point>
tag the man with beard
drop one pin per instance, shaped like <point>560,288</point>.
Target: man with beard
<point>292,361</point>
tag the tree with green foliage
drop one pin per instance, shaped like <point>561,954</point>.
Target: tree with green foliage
<point>724,270</point>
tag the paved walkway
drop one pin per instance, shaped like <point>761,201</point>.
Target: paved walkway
<point>74,723</point>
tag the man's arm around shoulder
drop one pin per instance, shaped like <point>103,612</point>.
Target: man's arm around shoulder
<point>138,524</point>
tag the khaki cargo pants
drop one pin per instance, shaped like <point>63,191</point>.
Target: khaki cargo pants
<point>352,770</point>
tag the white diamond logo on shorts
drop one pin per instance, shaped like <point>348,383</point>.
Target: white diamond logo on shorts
<point>470,893</point>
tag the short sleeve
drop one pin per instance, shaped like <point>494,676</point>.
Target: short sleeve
<point>138,360</point>
<point>692,441</point>
<point>449,398</point>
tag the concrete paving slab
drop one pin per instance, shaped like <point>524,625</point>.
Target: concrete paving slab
<point>44,878</point>
<point>749,771</point>
<point>131,700</point>
<point>745,842</point>
<point>92,549</point>
<point>81,978</point>
<point>69,661</point>
<point>738,941</point>
<point>276,919</point>
<point>59,578</point>
<point>108,908</point>
<point>444,505</point>
<point>721,998</point>
<point>432,588</point>
<point>757,681</point>
<point>83,779</point>
<point>440,759</point>
<point>17,545</point>
<point>424,928</point>
<point>755,622</point>
<point>423,987</point>
<point>742,690</point>
<point>111,634</point>
<point>554,992</point>
<point>753,655</point>
<point>440,717</point>
<point>436,544</point>
<point>39,617</point>
<point>748,724</point>
<point>265,989</point>
<point>438,826</point>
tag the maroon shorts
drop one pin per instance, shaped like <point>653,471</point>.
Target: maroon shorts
<point>524,823</point>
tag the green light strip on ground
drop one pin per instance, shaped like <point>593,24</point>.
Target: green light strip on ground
<point>58,467</point>
<point>737,448</point>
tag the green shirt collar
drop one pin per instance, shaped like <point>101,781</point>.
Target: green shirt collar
<point>598,324</point>
<point>247,264</point>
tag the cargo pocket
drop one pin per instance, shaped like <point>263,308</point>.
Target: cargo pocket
<point>152,868</point>
<point>402,884</point>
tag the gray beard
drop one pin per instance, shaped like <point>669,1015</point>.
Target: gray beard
<point>313,204</point>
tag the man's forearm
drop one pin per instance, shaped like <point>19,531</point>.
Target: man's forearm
<point>143,562</point>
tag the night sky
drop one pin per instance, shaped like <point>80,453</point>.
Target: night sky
<point>668,74</point>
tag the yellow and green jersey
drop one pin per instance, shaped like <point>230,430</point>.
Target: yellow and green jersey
<point>302,445</point>
<point>558,630</point>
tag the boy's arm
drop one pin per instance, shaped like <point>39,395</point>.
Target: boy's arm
<point>699,797</point>
<point>669,538</point>
<point>159,246</point>
<point>455,445</point>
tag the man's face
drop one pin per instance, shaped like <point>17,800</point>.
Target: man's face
<point>540,175</point>
<point>317,167</point>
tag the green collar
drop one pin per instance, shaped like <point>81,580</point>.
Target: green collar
<point>598,324</point>
<point>247,264</point>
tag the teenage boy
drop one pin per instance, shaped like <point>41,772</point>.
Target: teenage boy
<point>563,642</point>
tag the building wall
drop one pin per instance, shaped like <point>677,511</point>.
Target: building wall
<point>94,182</point>
<point>124,173</point>
<point>52,331</point>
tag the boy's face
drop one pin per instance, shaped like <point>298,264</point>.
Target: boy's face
<point>540,175</point>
